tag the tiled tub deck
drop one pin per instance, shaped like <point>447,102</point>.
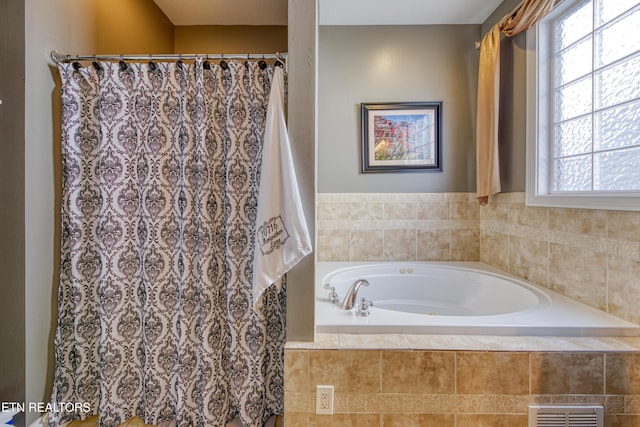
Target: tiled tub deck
<point>459,380</point>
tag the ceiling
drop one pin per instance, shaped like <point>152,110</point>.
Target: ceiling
<point>332,12</point>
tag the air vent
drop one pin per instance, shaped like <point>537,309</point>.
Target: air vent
<point>566,416</point>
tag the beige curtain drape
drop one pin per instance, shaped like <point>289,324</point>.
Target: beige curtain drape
<point>487,160</point>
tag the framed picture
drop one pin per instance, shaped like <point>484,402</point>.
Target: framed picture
<point>401,137</point>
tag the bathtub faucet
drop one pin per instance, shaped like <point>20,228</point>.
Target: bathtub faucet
<point>350,299</point>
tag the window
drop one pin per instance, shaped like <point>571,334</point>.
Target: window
<point>583,106</point>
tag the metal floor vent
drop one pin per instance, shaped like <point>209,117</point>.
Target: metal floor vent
<point>566,416</point>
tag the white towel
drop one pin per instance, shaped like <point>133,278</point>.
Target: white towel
<point>282,237</point>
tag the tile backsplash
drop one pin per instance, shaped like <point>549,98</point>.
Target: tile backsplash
<point>589,255</point>
<point>398,227</point>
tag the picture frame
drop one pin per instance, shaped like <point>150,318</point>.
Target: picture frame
<point>401,137</point>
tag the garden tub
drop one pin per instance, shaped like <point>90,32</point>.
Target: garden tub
<point>452,298</point>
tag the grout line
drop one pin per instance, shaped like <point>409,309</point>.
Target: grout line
<point>455,373</point>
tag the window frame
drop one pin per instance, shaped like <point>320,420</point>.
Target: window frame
<point>538,131</point>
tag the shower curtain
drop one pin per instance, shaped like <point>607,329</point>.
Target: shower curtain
<point>161,165</point>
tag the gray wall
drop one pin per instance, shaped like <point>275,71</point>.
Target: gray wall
<point>12,327</point>
<point>67,26</point>
<point>302,43</point>
<point>391,64</point>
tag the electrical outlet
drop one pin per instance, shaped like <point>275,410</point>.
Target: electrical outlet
<point>324,399</point>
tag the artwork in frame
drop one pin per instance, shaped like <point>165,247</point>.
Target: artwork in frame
<point>401,136</point>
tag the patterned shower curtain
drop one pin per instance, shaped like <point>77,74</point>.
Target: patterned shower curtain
<point>161,165</point>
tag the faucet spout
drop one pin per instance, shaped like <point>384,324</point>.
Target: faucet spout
<point>350,298</point>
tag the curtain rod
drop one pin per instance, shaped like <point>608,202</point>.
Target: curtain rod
<point>62,57</point>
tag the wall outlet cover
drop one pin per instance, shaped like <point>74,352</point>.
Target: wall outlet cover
<point>324,399</point>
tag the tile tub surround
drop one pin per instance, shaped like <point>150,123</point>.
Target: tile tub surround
<point>398,227</point>
<point>422,380</point>
<point>589,255</point>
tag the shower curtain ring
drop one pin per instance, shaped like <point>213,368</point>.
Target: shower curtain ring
<point>223,63</point>
<point>123,65</point>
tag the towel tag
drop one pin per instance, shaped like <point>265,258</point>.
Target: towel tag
<point>272,235</point>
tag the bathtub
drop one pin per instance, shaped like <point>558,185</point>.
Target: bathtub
<point>453,298</point>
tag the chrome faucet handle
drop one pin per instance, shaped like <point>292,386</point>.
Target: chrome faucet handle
<point>363,307</point>
<point>333,295</point>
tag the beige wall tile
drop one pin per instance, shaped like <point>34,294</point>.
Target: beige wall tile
<point>528,216</point>
<point>624,249</point>
<point>624,288</point>
<point>433,245</point>
<point>579,221</point>
<point>333,245</point>
<point>495,211</point>
<point>367,211</point>
<point>622,420</point>
<point>465,210</point>
<point>519,344</point>
<point>515,197</point>
<point>448,403</point>
<point>374,341</point>
<point>578,273</point>
<point>586,400</point>
<point>474,403</point>
<point>521,403</point>
<point>444,342</point>
<point>399,210</point>
<point>404,403</point>
<point>623,373</point>
<point>325,342</point>
<point>357,402</point>
<point>344,420</point>
<point>614,404</point>
<point>296,345</point>
<point>393,402</point>
<point>364,225</point>
<point>465,245</point>
<point>632,404</point>
<point>591,344</point>
<point>505,404</point>
<point>296,371</point>
<point>624,225</point>
<point>399,244</point>
<point>492,420</point>
<point>298,402</point>
<point>492,373</point>
<point>633,342</point>
<point>418,420</point>
<point>366,245</point>
<point>333,211</point>
<point>460,197</point>
<point>418,372</point>
<point>296,419</point>
<point>529,259</point>
<point>349,371</point>
<point>567,373</point>
<point>494,249</point>
<point>433,210</point>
